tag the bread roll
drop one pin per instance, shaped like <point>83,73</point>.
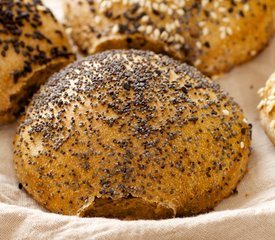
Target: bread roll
<point>131,135</point>
<point>267,107</point>
<point>214,36</point>
<point>33,45</point>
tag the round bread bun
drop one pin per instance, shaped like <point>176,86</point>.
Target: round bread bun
<point>267,107</point>
<point>214,36</point>
<point>131,135</point>
<point>33,45</point>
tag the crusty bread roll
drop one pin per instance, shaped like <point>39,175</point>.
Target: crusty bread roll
<point>267,107</point>
<point>211,35</point>
<point>131,135</point>
<point>33,45</point>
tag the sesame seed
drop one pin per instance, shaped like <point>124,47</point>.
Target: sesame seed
<point>246,7</point>
<point>115,28</point>
<point>199,45</point>
<point>97,19</point>
<point>77,71</point>
<point>156,33</point>
<point>225,112</point>
<point>149,29</point>
<point>145,19</point>
<point>198,62</point>
<point>205,31</point>
<point>242,145</point>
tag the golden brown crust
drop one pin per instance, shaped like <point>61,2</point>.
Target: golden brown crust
<point>214,36</point>
<point>245,29</point>
<point>267,107</point>
<point>132,132</point>
<point>32,46</point>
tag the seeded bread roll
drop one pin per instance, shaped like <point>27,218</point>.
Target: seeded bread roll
<point>267,107</point>
<point>214,36</point>
<point>33,45</point>
<point>131,135</point>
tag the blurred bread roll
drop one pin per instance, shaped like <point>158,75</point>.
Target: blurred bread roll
<point>267,107</point>
<point>214,36</point>
<point>33,45</point>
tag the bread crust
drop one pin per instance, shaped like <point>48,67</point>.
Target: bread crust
<point>213,36</point>
<point>130,135</point>
<point>33,45</point>
<point>267,107</point>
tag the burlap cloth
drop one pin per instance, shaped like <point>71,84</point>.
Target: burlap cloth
<point>250,214</point>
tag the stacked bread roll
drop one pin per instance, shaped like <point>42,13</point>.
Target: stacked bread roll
<point>130,135</point>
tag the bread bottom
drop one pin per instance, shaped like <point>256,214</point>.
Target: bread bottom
<point>133,209</point>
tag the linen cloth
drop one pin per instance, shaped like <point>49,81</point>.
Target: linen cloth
<point>250,214</point>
